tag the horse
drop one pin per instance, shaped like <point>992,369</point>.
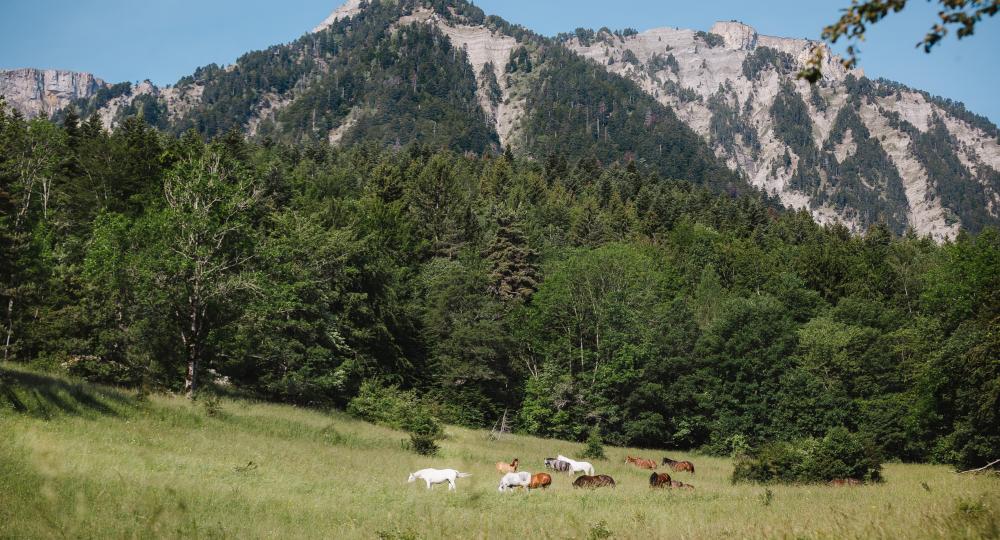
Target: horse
<point>577,466</point>
<point>659,480</point>
<point>641,463</point>
<point>540,480</point>
<point>600,480</point>
<point>680,485</point>
<point>845,482</point>
<point>679,466</point>
<point>512,480</point>
<point>438,476</point>
<point>507,467</point>
<point>556,464</point>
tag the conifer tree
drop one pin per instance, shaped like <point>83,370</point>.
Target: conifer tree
<point>513,268</point>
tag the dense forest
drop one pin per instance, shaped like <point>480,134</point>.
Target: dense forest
<point>568,292</point>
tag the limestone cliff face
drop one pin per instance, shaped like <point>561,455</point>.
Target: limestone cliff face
<point>725,85</point>
<point>38,92</point>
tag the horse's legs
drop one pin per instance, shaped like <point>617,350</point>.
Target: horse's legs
<point>428,484</point>
<point>451,484</point>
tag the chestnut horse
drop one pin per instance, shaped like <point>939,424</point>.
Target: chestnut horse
<point>659,480</point>
<point>503,468</point>
<point>679,466</point>
<point>540,480</point>
<point>845,482</point>
<point>600,480</point>
<point>641,463</point>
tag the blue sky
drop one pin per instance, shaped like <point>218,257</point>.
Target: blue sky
<point>163,40</point>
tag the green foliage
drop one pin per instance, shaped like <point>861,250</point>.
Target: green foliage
<point>763,58</point>
<point>390,406</point>
<point>838,455</point>
<point>710,39</point>
<point>609,119</point>
<point>570,292</point>
<point>595,445</point>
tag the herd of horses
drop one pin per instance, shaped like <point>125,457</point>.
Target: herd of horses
<point>512,478</point>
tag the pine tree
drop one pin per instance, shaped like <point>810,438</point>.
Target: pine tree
<point>513,268</point>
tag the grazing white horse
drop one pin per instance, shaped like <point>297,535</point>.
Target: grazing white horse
<point>577,466</point>
<point>438,476</point>
<point>513,479</point>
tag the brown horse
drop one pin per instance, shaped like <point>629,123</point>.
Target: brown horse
<point>540,480</point>
<point>600,480</point>
<point>679,466</point>
<point>845,482</point>
<point>504,468</point>
<point>641,463</point>
<point>680,485</point>
<point>659,480</point>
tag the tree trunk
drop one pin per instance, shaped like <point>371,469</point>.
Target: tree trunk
<point>10,328</point>
<point>192,346</point>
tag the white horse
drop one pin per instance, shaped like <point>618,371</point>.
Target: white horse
<point>577,466</point>
<point>438,476</point>
<point>512,480</point>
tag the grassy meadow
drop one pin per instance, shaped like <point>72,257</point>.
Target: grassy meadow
<point>81,461</point>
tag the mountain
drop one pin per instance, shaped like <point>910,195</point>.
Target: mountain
<point>850,149</point>
<point>722,108</point>
<point>36,92</point>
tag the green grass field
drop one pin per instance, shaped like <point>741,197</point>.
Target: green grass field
<point>80,461</point>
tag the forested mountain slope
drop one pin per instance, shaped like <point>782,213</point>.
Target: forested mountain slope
<point>849,149</point>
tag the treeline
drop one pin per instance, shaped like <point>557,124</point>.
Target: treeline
<point>568,294</point>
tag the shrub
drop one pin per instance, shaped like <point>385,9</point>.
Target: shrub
<point>840,454</point>
<point>595,445</point>
<point>388,405</point>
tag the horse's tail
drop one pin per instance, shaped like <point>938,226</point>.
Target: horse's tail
<point>692,467</point>
<point>464,475</point>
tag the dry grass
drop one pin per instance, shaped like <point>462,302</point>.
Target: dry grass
<point>98,464</point>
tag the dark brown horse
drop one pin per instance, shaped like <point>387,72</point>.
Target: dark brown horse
<point>680,485</point>
<point>600,480</point>
<point>540,480</point>
<point>659,480</point>
<point>679,466</point>
<point>641,463</point>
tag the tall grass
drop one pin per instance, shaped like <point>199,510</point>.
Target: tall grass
<point>83,461</point>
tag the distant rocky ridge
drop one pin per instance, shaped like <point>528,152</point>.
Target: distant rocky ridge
<point>849,149</point>
<point>43,92</point>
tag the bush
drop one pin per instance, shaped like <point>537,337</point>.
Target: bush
<point>840,454</point>
<point>388,405</point>
<point>595,445</point>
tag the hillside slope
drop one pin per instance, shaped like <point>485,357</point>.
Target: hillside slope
<point>86,461</point>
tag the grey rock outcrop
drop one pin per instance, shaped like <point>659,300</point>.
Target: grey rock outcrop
<point>38,92</point>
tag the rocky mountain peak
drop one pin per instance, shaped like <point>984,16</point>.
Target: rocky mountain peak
<point>349,8</point>
<point>737,36</point>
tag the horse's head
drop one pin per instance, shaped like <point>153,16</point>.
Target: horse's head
<point>629,459</point>
<point>411,479</point>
